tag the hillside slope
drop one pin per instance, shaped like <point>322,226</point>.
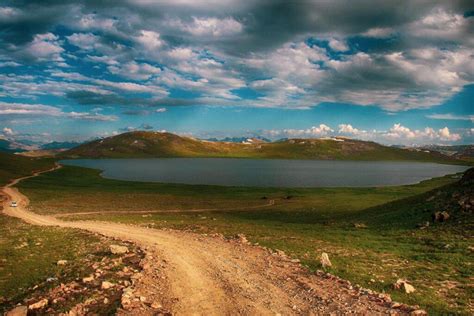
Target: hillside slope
<point>14,166</point>
<point>155,144</point>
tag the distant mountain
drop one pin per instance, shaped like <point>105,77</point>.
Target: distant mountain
<point>465,152</point>
<point>242,140</point>
<point>7,146</point>
<point>156,144</point>
<point>60,145</point>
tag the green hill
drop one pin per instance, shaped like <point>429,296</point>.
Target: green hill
<point>156,144</point>
<point>14,166</point>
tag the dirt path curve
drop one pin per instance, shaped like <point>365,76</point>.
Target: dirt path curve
<point>191,274</point>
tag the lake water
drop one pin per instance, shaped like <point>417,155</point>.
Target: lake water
<point>267,172</point>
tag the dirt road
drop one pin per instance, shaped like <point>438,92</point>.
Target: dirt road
<point>190,274</point>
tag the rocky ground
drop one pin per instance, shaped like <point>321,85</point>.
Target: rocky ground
<point>113,271</point>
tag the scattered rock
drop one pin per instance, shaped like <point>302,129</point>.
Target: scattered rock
<point>325,262</point>
<point>118,250</point>
<point>88,279</point>
<point>38,305</point>
<point>418,312</point>
<point>404,285</point>
<point>242,239</point>
<point>423,225</point>
<point>61,262</point>
<point>107,285</point>
<point>360,225</point>
<point>156,305</point>
<point>18,311</point>
<point>440,216</point>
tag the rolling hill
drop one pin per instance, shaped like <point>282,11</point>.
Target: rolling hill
<point>140,144</point>
<point>14,166</point>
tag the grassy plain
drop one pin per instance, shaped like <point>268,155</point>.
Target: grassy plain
<point>28,254</point>
<point>385,246</point>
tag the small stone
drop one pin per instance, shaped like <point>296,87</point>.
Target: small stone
<point>88,279</point>
<point>325,262</point>
<point>18,311</point>
<point>418,312</point>
<point>61,262</point>
<point>106,301</point>
<point>156,305</point>
<point>38,305</point>
<point>107,285</point>
<point>118,250</point>
<point>142,299</point>
<point>404,285</point>
<point>242,239</point>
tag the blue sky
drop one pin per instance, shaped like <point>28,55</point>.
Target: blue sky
<point>393,73</point>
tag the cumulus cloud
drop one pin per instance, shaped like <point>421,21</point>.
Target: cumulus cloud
<point>86,41</point>
<point>150,40</point>
<point>209,26</point>
<point>290,54</point>
<point>348,129</point>
<point>44,47</point>
<point>7,131</point>
<point>338,45</point>
<point>403,133</point>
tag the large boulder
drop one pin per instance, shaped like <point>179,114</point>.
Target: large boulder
<point>325,262</point>
<point>403,285</point>
<point>118,250</point>
<point>18,311</point>
<point>440,216</point>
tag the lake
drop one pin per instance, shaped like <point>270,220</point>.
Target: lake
<point>267,172</point>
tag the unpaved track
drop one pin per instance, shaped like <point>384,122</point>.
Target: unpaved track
<point>193,274</point>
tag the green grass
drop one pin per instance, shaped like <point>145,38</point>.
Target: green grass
<point>74,189</point>
<point>312,221</point>
<point>14,166</point>
<point>29,255</point>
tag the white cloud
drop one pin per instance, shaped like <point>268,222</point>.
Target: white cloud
<point>150,40</point>
<point>9,64</point>
<point>446,135</point>
<point>7,131</point>
<point>44,47</point>
<point>96,22</point>
<point>402,133</point>
<point>91,116</point>
<point>132,87</point>
<point>449,116</point>
<point>315,131</point>
<point>134,70</point>
<point>211,26</point>
<point>160,110</point>
<point>85,41</point>
<point>379,32</point>
<point>348,129</point>
<point>28,109</point>
<point>338,45</point>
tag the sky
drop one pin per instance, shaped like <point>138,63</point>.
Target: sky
<point>395,72</point>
